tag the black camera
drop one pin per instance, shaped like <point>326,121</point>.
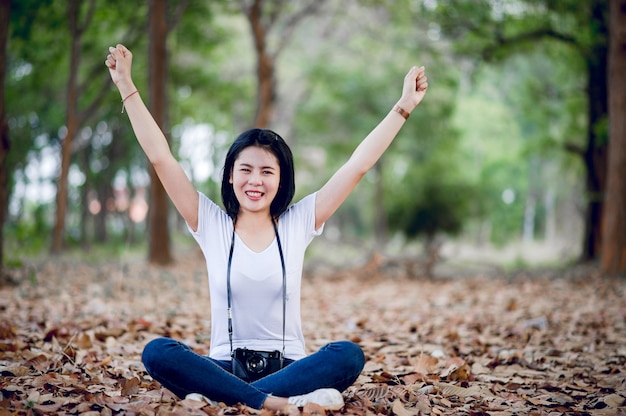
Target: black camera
<point>251,365</point>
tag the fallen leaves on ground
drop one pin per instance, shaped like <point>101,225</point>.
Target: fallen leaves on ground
<point>71,340</point>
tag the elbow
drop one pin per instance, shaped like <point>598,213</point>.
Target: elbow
<point>358,169</point>
<point>159,160</point>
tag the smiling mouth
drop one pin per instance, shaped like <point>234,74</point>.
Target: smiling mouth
<point>254,194</point>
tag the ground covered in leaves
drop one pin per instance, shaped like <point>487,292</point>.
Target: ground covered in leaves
<point>71,336</point>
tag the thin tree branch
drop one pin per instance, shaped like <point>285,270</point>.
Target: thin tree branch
<point>132,36</point>
<point>293,21</point>
<point>575,149</point>
<point>177,16</point>
<point>81,27</point>
<point>543,33</point>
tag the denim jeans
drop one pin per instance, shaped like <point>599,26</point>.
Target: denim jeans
<point>172,363</point>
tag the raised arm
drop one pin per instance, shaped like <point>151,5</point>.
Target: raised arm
<point>339,186</point>
<point>151,138</point>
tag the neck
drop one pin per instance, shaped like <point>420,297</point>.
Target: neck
<point>253,221</point>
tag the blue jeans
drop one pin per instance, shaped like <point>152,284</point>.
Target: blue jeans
<point>173,364</point>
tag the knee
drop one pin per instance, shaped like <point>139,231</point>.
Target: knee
<point>154,352</point>
<point>354,359</point>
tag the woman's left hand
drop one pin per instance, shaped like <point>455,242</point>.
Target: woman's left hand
<point>414,88</point>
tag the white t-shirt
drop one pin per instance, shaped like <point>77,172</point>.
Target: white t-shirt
<point>256,280</point>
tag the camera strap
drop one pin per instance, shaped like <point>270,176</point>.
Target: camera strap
<point>230,310</point>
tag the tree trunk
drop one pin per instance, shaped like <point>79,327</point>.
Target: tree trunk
<point>613,261</point>
<point>83,157</point>
<point>263,17</point>
<point>5,10</point>
<point>71,123</point>
<point>159,251</point>
<point>266,91</point>
<point>380,218</point>
<point>104,193</point>
<point>595,155</point>
<point>266,87</point>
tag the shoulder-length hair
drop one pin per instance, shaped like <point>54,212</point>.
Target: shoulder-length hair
<point>272,142</point>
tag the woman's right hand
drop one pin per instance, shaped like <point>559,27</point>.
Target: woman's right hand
<point>119,61</point>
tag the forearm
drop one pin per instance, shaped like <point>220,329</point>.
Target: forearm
<point>376,142</point>
<point>148,133</point>
<point>365,156</point>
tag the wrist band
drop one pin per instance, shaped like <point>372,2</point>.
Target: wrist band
<point>127,97</point>
<point>401,111</point>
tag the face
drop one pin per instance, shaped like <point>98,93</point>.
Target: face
<point>255,178</point>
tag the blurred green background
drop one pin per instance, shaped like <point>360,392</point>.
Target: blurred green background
<point>495,166</point>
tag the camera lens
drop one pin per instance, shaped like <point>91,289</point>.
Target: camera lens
<point>255,363</point>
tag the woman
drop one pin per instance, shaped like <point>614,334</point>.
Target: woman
<point>254,252</point>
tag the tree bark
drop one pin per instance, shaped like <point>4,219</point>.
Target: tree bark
<point>263,17</point>
<point>71,124</point>
<point>83,163</point>
<point>380,218</point>
<point>266,82</point>
<point>613,260</point>
<point>595,154</point>
<point>74,116</point>
<point>159,250</point>
<point>5,10</point>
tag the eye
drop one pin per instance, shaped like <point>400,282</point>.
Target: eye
<point>268,172</point>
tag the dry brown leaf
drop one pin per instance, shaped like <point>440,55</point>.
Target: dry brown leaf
<point>423,404</point>
<point>445,402</point>
<point>425,364</point>
<point>614,400</point>
<point>15,370</point>
<point>399,409</point>
<point>540,401</point>
<point>83,341</point>
<point>7,329</point>
<point>383,377</point>
<point>130,386</point>
<point>107,360</point>
<point>452,390</point>
<point>313,409</point>
<point>375,393</point>
<point>50,406</point>
<point>412,378</point>
<point>456,369</point>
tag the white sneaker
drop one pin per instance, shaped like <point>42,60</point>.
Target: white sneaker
<point>329,399</point>
<point>200,398</point>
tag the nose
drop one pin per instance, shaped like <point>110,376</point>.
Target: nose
<point>255,179</point>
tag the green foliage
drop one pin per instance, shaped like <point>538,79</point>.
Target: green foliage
<point>201,89</point>
<point>27,236</point>
<point>429,206</point>
<point>525,100</point>
<point>487,126</point>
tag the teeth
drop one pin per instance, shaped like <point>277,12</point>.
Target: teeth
<point>253,193</point>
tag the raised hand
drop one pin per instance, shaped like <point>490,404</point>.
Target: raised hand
<point>119,61</point>
<point>414,88</point>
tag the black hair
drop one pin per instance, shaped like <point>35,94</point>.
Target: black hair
<point>272,142</point>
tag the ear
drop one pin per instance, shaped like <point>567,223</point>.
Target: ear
<point>230,176</point>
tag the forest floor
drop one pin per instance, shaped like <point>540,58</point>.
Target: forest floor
<point>549,343</point>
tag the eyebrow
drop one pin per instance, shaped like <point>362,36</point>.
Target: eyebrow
<point>251,166</point>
